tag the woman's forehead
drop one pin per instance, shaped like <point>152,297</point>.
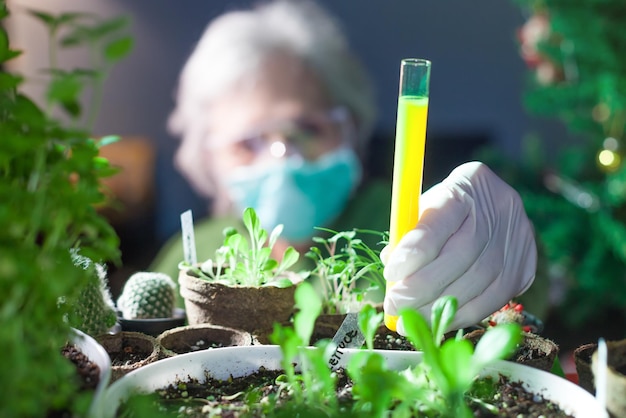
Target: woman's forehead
<point>284,90</point>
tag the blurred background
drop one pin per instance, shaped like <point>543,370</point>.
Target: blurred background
<point>477,82</point>
<point>478,86</point>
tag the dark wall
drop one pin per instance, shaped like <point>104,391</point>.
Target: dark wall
<point>476,85</point>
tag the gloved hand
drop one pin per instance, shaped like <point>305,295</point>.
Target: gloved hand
<point>473,241</point>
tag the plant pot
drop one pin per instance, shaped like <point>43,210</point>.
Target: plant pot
<point>129,351</point>
<point>582,361</point>
<point>534,351</point>
<point>241,361</point>
<point>153,326</point>
<point>96,353</point>
<point>192,338</point>
<point>615,377</point>
<point>252,309</point>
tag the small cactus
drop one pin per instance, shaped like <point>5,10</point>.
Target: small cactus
<point>94,311</point>
<point>147,295</point>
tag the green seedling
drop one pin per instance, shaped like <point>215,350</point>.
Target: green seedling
<point>312,387</point>
<point>247,260</point>
<point>454,364</point>
<point>341,262</point>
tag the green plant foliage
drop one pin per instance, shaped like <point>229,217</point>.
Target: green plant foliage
<point>444,384</point>
<point>247,260</point>
<point>578,205</point>
<point>147,295</point>
<point>93,311</point>
<point>50,186</point>
<point>343,263</point>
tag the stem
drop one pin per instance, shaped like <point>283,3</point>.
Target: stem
<point>97,88</point>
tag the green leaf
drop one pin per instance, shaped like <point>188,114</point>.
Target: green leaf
<point>497,342</point>
<point>281,283</point>
<point>290,257</point>
<point>45,18</point>
<point>309,306</point>
<point>9,81</point>
<point>458,365</point>
<point>442,314</point>
<point>118,49</point>
<point>369,321</point>
<point>107,140</point>
<point>64,87</point>
<point>110,26</point>
<point>417,331</point>
<point>6,53</point>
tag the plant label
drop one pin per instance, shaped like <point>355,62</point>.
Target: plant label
<point>348,335</point>
<point>189,241</point>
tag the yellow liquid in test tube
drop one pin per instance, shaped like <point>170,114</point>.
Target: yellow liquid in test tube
<point>408,167</point>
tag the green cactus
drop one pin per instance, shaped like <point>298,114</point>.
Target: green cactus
<point>94,312</point>
<point>148,295</point>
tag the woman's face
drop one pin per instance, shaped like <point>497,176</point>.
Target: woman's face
<point>284,111</point>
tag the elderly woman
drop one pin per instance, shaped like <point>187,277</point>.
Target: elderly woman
<point>275,113</point>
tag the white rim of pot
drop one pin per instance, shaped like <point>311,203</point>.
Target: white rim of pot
<point>96,353</point>
<point>242,360</point>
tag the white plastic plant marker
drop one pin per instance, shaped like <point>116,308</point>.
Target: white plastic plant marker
<point>348,335</point>
<point>602,375</point>
<point>189,240</point>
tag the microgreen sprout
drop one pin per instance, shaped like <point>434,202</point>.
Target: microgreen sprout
<point>313,386</point>
<point>341,261</point>
<point>454,364</point>
<point>443,384</point>
<point>247,260</point>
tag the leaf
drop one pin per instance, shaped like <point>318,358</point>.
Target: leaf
<point>309,306</point>
<point>109,26</point>
<point>281,283</point>
<point>45,18</point>
<point>497,343</point>
<point>118,49</point>
<point>417,331</point>
<point>442,314</point>
<point>278,229</point>
<point>107,140</point>
<point>6,53</point>
<point>290,257</point>
<point>458,365</point>
<point>79,35</point>
<point>369,321</point>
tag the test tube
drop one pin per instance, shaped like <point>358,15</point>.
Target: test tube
<point>408,161</point>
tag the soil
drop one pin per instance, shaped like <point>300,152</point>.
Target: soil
<point>87,372</point>
<point>231,398</point>
<point>128,355</point>
<point>200,345</point>
<point>392,341</point>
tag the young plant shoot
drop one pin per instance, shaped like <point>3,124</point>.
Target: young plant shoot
<point>341,262</point>
<point>246,260</point>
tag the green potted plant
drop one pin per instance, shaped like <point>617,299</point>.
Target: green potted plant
<point>348,274</point>
<point>147,304</point>
<point>242,287</point>
<point>50,184</point>
<point>447,378</point>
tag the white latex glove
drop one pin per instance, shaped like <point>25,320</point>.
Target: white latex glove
<point>473,241</point>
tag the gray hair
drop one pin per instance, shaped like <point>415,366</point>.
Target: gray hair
<point>234,45</point>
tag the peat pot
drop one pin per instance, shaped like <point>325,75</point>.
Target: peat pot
<point>191,338</point>
<point>250,308</point>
